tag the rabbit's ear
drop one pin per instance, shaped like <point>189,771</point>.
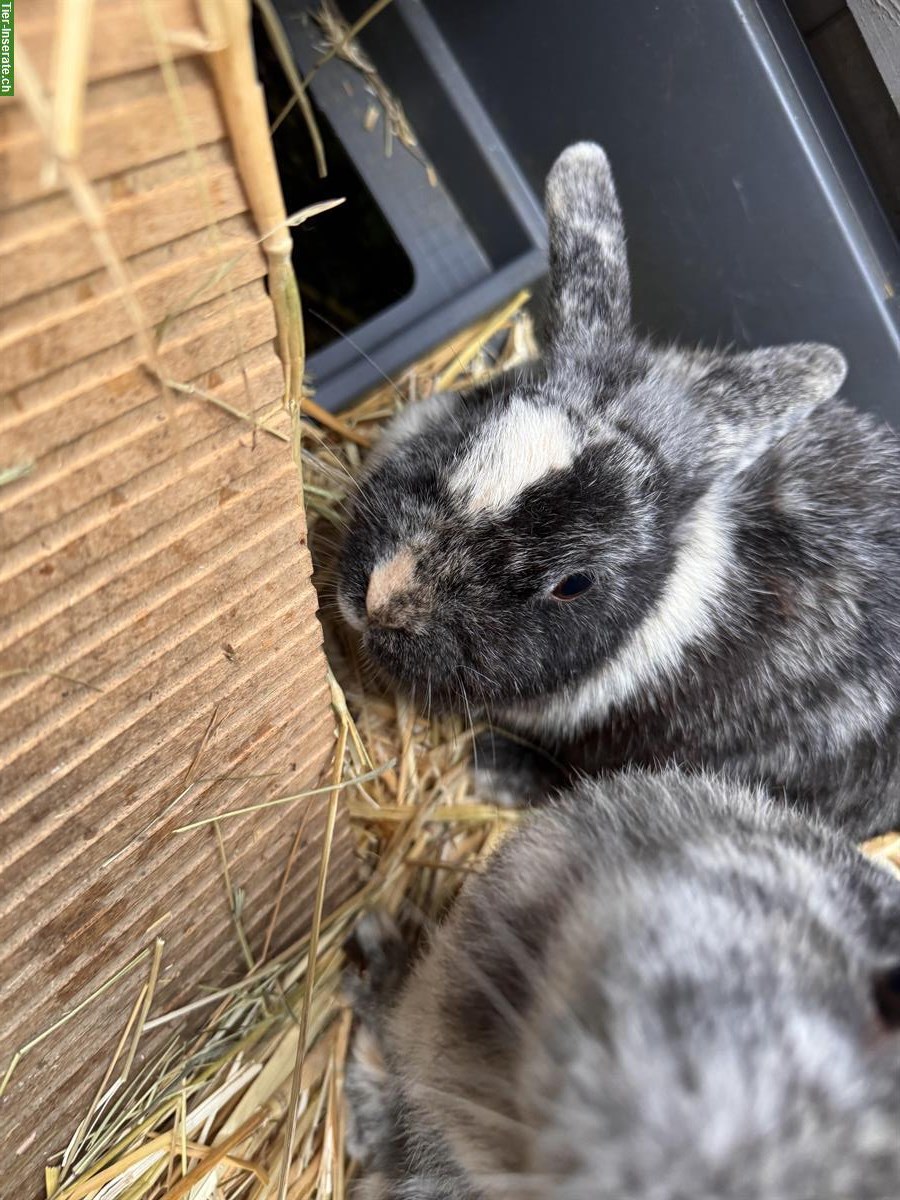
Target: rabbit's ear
<point>590,292</point>
<point>764,385</point>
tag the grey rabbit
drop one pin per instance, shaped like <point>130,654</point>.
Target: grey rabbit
<point>633,555</point>
<point>664,988</point>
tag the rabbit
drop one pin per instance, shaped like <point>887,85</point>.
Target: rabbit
<point>632,555</point>
<point>665,987</point>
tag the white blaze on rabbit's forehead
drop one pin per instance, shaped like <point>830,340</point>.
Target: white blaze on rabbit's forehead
<point>514,449</point>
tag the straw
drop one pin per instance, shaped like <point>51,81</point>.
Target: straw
<point>68,1016</point>
<point>300,86</point>
<point>72,49</point>
<point>285,56</point>
<point>15,472</point>
<point>341,39</point>
<point>294,1109</point>
<point>243,103</point>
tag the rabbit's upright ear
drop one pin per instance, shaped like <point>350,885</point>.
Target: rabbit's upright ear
<point>765,385</point>
<point>590,292</point>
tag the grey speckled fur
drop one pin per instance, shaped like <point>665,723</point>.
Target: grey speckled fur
<point>664,989</point>
<point>740,525</point>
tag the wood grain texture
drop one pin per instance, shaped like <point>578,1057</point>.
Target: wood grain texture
<point>53,253</point>
<point>154,578</point>
<point>120,38</point>
<point>133,123</point>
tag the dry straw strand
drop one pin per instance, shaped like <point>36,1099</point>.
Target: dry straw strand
<point>347,37</point>
<point>216,1156</point>
<point>243,103</point>
<point>291,799</point>
<point>71,49</point>
<point>282,49</point>
<point>282,887</point>
<point>158,947</point>
<point>16,472</point>
<point>235,900</point>
<point>474,347</point>
<point>302,84</point>
<point>294,1106</point>
<point>70,1015</point>
<point>78,1137</point>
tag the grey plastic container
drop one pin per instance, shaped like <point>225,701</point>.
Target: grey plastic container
<point>750,219</point>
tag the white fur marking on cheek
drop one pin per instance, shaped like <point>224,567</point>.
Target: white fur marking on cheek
<point>515,449</point>
<point>349,613</point>
<point>685,612</point>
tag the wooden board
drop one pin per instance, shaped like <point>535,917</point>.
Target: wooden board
<point>160,656</point>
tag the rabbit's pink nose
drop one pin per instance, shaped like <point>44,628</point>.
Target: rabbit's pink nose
<point>390,578</point>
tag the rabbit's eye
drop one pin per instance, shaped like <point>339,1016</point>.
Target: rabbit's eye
<point>887,997</point>
<point>572,586</point>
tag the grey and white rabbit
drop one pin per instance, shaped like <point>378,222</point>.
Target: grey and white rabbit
<point>641,555</point>
<point>665,988</point>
